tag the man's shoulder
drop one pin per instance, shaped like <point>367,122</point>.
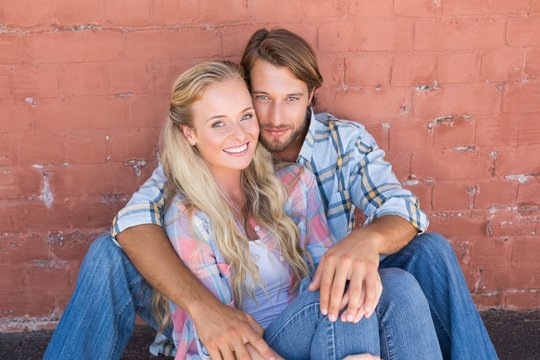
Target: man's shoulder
<point>347,133</point>
<point>326,121</point>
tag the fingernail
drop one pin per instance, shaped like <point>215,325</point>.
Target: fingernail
<point>324,312</point>
<point>350,318</point>
<point>332,318</point>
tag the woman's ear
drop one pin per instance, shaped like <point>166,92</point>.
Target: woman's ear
<point>189,134</point>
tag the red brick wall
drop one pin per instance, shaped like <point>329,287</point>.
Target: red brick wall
<point>450,88</point>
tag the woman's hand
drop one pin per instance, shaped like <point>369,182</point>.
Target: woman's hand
<point>362,357</point>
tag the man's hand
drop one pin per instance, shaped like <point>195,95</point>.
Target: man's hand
<point>354,260</point>
<point>227,332</point>
<point>362,357</point>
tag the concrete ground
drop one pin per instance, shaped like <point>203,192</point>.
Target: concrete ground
<point>516,335</point>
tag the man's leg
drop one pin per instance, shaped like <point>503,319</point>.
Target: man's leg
<point>100,317</point>
<point>431,260</point>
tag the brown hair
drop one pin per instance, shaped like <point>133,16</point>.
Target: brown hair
<point>281,47</point>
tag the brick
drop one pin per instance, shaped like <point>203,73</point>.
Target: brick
<point>458,67</point>
<point>413,69</point>
<point>81,113</point>
<point>16,249</point>
<point>368,35</point>
<point>35,81</point>
<point>522,300</point>
<point>415,8</point>
<point>401,164</point>
<point>520,160</point>
<point>149,45</point>
<point>449,164</point>
<point>128,77</point>
<point>522,97</point>
<point>9,148</point>
<point>409,136</point>
<point>379,132</point>
<point>503,64</point>
<point>457,225</point>
<point>368,69</point>
<point>424,193</point>
<point>270,10</point>
<point>523,31</point>
<point>457,99</point>
<point>451,195</point>
<point>10,280</point>
<point>511,225</point>
<point>85,147</point>
<point>71,246</point>
<point>19,183</point>
<point>499,129</point>
<point>166,12</point>
<point>506,7</point>
<point>84,79</point>
<point>75,46</point>
<point>459,34</point>
<point>462,7</point>
<point>48,279</point>
<point>489,278</point>
<point>16,116</point>
<point>529,129</point>
<point>17,14</point>
<point>333,69</point>
<point>91,215</point>
<point>148,112</point>
<point>5,81</point>
<point>233,10</point>
<point>371,9</point>
<point>495,192</point>
<point>529,191</point>
<point>535,6</point>
<point>42,148</point>
<point>13,49</point>
<point>373,102</point>
<point>125,12</point>
<point>533,64</point>
<point>326,9</point>
<point>137,144</point>
<point>69,12</point>
<point>236,37</point>
<point>520,275</point>
<point>55,217</point>
<point>458,135</point>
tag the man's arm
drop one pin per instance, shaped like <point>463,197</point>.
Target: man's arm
<point>221,328</point>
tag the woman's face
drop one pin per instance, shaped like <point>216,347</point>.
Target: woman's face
<point>225,129</point>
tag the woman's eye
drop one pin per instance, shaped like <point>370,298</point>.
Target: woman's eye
<point>247,116</point>
<point>218,124</point>
<point>261,97</point>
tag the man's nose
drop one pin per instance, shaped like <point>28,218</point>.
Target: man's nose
<point>275,115</point>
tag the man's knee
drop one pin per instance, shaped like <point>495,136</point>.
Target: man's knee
<point>432,245</point>
<point>103,255</point>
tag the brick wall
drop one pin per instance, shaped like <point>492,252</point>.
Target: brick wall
<point>450,88</point>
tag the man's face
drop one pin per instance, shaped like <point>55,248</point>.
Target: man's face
<point>280,100</point>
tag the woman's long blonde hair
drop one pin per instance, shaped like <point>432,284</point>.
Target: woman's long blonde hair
<point>186,173</point>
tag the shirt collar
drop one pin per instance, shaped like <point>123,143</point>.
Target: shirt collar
<point>306,152</point>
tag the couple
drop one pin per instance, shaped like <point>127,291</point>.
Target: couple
<point>223,224</point>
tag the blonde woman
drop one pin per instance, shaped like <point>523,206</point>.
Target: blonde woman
<point>248,238</point>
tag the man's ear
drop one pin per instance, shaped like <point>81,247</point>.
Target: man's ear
<point>311,95</point>
<point>189,134</point>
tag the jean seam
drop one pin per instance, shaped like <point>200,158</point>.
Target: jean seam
<point>389,346</point>
<point>115,343</point>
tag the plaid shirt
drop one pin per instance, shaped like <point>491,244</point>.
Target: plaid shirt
<point>195,244</point>
<point>350,170</point>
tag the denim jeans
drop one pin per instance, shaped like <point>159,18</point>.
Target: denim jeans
<point>402,328</point>
<point>100,317</point>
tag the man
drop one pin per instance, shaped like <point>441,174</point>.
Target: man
<point>351,172</point>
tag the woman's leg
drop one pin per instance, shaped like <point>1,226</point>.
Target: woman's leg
<point>406,326</point>
<point>302,332</point>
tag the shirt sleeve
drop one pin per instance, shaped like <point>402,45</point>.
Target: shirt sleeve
<point>376,190</point>
<point>144,207</point>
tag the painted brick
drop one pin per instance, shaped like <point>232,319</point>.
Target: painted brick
<point>521,160</point>
<point>148,112</point>
<point>463,7</point>
<point>16,13</point>
<point>458,67</point>
<point>530,190</point>
<point>326,9</point>
<point>16,116</point>
<point>457,99</point>
<point>522,98</point>
<point>424,193</point>
<point>70,12</point>
<point>16,249</point>
<point>533,64</point>
<point>126,12</point>
<point>459,34</point>
<point>368,69</point>
<point>498,130</point>
<point>13,49</point>
<point>495,192</point>
<point>84,79</point>
<point>35,81</point>
<point>506,7</point>
<point>69,246</point>
<point>457,225</point>
<point>19,183</point>
<point>164,73</point>
<point>11,279</point>
<point>529,129</point>
<point>523,31</point>
<point>535,6</point>
<point>503,64</point>
<point>401,164</point>
<point>413,69</point>
<point>175,12</point>
<point>333,68</point>
<point>236,37</point>
<point>522,300</point>
<point>127,77</point>
<point>449,164</point>
<point>452,195</point>
<point>274,10</point>
<point>224,11</point>
<point>368,35</point>
<point>415,8</point>
<point>371,9</point>
<point>373,102</point>
<point>511,225</point>
<point>458,135</point>
<point>192,43</point>
<point>85,147</point>
<point>138,144</point>
<point>410,136</point>
<point>91,215</point>
<point>9,148</point>
<point>48,279</point>
<point>5,81</point>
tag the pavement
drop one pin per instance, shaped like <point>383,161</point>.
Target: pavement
<point>516,335</point>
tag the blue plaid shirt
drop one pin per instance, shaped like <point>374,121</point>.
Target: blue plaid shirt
<point>350,170</point>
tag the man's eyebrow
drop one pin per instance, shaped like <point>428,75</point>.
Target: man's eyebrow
<point>222,116</point>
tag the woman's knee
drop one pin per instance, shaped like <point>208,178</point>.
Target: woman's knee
<point>401,287</point>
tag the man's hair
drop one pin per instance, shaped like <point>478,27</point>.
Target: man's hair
<point>280,47</point>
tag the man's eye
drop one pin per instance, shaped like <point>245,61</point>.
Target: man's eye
<point>292,98</point>
<point>218,124</point>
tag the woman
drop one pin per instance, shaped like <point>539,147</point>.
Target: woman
<point>229,218</point>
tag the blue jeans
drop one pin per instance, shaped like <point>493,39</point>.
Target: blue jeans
<point>403,322</point>
<point>100,317</point>
<point>460,330</point>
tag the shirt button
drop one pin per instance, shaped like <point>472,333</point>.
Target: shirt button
<point>257,228</point>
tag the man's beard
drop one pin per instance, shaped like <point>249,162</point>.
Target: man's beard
<point>275,146</point>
